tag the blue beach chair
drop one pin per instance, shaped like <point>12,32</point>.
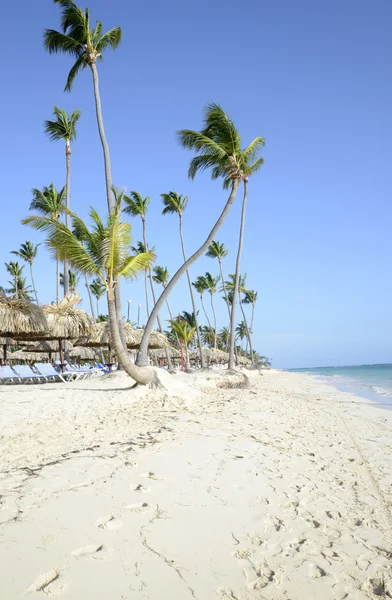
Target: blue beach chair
<point>7,375</point>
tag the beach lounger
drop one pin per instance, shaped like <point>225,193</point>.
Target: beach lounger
<point>48,371</point>
<point>27,374</point>
<point>7,375</point>
<point>103,369</point>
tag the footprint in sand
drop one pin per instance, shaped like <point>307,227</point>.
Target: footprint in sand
<point>139,507</point>
<point>109,522</point>
<point>87,550</point>
<point>143,489</point>
<point>149,475</point>
<point>44,583</point>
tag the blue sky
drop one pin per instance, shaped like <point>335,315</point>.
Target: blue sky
<point>313,78</point>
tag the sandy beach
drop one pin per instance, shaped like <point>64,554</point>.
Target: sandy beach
<point>280,491</point>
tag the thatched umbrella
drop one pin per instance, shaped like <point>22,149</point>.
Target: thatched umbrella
<point>49,347</point>
<point>100,336</point>
<point>83,353</point>
<point>19,319</point>
<point>24,355</point>
<point>157,340</point>
<point>211,355</point>
<point>66,321</point>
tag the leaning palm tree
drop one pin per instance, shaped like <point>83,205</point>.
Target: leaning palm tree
<point>87,46</point>
<point>218,147</point>
<point>104,254</point>
<point>211,283</point>
<point>185,334</point>
<point>175,204</point>
<point>218,250</point>
<point>50,203</point>
<point>28,252</point>
<point>97,289</point>
<point>63,127</point>
<point>200,286</point>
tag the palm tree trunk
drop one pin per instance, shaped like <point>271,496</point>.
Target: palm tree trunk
<point>202,361</point>
<point>237,276</point>
<point>97,307</point>
<point>213,312</point>
<point>90,297</point>
<point>253,315</point>
<point>224,286</point>
<point>143,375</point>
<point>109,185</point>
<point>57,280</point>
<point>205,312</point>
<point>248,334</point>
<point>142,357</point>
<point>33,282</point>
<point>187,361</point>
<point>68,205</point>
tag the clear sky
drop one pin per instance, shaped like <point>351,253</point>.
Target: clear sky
<point>313,78</point>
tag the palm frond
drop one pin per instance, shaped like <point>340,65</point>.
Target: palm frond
<point>134,265</point>
<point>78,65</point>
<point>56,42</point>
<point>111,38</point>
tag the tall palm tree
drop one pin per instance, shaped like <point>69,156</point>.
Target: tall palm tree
<point>73,280</point>
<point>97,289</point>
<point>218,250</point>
<point>211,283</point>
<point>18,284</point>
<point>87,46</point>
<point>230,285</point>
<point>200,286</point>
<point>63,127</point>
<point>224,339</point>
<point>28,252</point>
<point>161,276</point>
<point>185,334</point>
<point>141,248</point>
<point>105,255</point>
<point>250,297</point>
<point>51,204</point>
<point>175,204</point>
<point>218,147</point>
<point>208,335</point>
<point>241,331</point>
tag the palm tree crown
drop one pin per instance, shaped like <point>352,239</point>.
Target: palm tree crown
<point>49,202</point>
<point>250,297</point>
<point>200,285</point>
<point>219,148</point>
<point>27,251</point>
<point>216,250</point>
<point>174,203</point>
<point>97,288</point>
<point>211,282</point>
<point>161,275</point>
<point>63,127</point>
<point>136,205</point>
<point>86,45</point>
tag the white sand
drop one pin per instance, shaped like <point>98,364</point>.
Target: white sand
<point>281,491</point>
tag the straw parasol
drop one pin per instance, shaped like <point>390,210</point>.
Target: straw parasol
<point>84,353</point>
<point>48,347</point>
<point>211,355</point>
<point>19,319</point>
<point>100,336</point>
<point>25,355</point>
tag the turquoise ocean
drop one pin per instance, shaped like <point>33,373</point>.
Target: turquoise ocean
<point>373,382</point>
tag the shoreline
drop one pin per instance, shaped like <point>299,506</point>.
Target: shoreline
<point>281,490</point>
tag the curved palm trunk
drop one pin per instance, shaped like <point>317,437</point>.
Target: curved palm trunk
<point>213,312</point>
<point>68,205</point>
<point>202,360</point>
<point>143,375</point>
<point>33,283</point>
<point>109,185</point>
<point>205,312</point>
<point>237,276</point>
<point>142,358</point>
<point>90,297</point>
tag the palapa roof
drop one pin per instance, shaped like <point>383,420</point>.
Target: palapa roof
<point>44,346</point>
<point>100,336</point>
<point>21,319</point>
<point>65,320</point>
<point>210,354</point>
<point>161,352</point>
<point>84,353</point>
<point>26,355</point>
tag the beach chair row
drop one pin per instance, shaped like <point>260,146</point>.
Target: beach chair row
<point>45,372</point>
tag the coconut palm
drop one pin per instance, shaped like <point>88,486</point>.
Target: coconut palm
<point>175,204</point>
<point>97,289</point>
<point>230,285</point>
<point>63,127</point>
<point>218,250</point>
<point>208,335</point>
<point>185,334</point>
<point>141,248</point>
<point>218,147</point>
<point>28,252</point>
<point>51,204</point>
<point>73,280</point>
<point>211,283</point>
<point>87,46</point>
<point>18,288</point>
<point>105,255</point>
<point>250,297</point>
<point>224,339</point>
<point>200,286</point>
<point>161,276</point>
<point>241,331</point>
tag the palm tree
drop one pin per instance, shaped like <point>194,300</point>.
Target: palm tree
<point>224,339</point>
<point>51,204</point>
<point>218,250</point>
<point>241,331</point>
<point>141,248</point>
<point>20,289</point>
<point>211,283</point>
<point>230,285</point>
<point>97,289</point>
<point>250,297</point>
<point>218,147</point>
<point>87,45</point>
<point>161,276</point>
<point>185,334</point>
<point>105,255</point>
<point>28,252</point>
<point>18,283</point>
<point>175,204</point>
<point>63,127</point>
<point>208,335</point>
<point>200,286</point>
<point>73,280</point>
